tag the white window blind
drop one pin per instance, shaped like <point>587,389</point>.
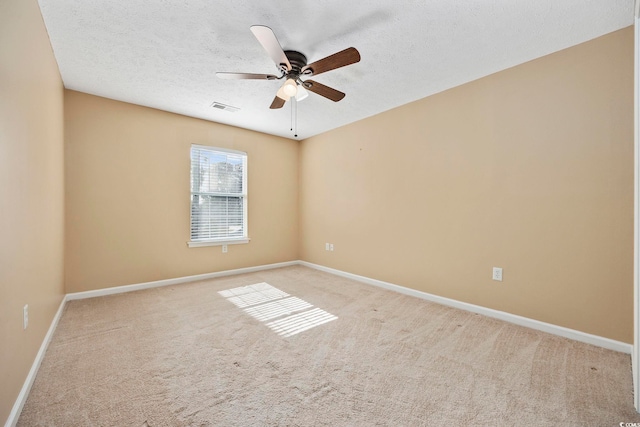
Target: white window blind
<point>218,194</point>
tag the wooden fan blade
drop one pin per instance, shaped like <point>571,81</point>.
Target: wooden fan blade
<point>322,90</point>
<point>277,103</point>
<point>270,43</point>
<point>340,59</point>
<point>245,76</point>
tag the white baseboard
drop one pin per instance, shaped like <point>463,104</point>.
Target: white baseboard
<point>26,387</point>
<point>176,281</point>
<point>508,317</point>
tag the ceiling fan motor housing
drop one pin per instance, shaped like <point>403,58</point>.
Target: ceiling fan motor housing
<point>297,61</point>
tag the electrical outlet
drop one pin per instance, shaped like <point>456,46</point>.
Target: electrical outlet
<point>327,246</point>
<point>25,316</point>
<point>331,247</point>
<point>225,249</point>
<point>497,274</point>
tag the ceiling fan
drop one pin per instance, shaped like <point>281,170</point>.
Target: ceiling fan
<point>293,67</point>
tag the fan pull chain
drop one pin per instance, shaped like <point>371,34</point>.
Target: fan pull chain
<point>294,116</point>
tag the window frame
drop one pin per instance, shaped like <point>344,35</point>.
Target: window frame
<point>245,220</point>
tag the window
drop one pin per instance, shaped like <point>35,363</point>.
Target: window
<point>218,196</point>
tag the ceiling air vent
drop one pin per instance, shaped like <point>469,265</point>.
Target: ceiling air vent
<point>224,107</point>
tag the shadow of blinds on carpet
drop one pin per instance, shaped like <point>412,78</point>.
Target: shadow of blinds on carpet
<point>287,315</point>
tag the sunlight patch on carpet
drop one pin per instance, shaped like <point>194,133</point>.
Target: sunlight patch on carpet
<point>275,309</point>
<point>289,315</point>
<point>300,322</point>
<point>245,296</point>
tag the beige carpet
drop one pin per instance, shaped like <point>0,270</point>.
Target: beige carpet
<point>189,355</point>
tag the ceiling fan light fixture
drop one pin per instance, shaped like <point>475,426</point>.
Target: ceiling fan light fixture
<point>290,87</point>
<point>281,94</point>
<point>302,93</point>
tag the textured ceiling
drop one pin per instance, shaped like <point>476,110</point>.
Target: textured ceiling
<point>165,53</point>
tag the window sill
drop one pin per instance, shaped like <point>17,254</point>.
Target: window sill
<point>201,243</point>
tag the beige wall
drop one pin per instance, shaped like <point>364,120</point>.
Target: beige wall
<point>127,195</point>
<point>31,191</point>
<point>529,169</point>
